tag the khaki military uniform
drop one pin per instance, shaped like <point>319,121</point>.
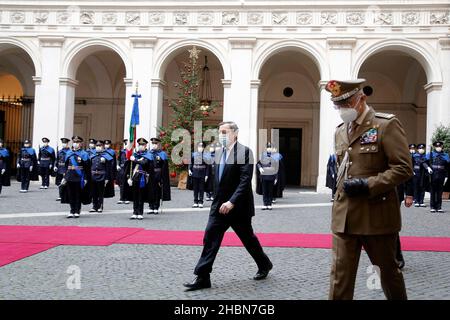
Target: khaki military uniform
<point>377,149</point>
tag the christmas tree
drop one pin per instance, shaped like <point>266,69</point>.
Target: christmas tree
<point>187,108</point>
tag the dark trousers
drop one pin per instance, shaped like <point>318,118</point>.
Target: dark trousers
<point>98,192</point>
<point>1,186</point>
<point>156,196</point>
<point>24,178</point>
<point>381,250</point>
<point>45,175</point>
<point>58,180</point>
<point>267,189</point>
<point>419,191</point>
<point>74,191</point>
<point>122,192</point>
<point>138,199</point>
<point>399,253</point>
<point>199,189</point>
<point>437,187</point>
<point>215,230</point>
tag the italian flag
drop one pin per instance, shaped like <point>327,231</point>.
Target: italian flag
<point>134,121</point>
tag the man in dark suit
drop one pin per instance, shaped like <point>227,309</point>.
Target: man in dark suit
<point>233,206</point>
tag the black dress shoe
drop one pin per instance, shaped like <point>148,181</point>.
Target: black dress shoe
<point>401,263</point>
<point>262,273</point>
<point>198,283</point>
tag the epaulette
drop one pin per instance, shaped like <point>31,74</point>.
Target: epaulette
<point>384,115</point>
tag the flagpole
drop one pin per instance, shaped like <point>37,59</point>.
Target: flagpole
<point>134,133</point>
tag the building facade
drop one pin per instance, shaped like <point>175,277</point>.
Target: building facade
<point>73,66</point>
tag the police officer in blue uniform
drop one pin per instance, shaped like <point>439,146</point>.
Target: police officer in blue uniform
<point>46,161</point>
<point>5,180</point>
<point>160,185</point>
<point>76,179</point>
<point>60,166</point>
<point>137,188</point>
<point>420,181</point>
<point>120,177</point>
<point>112,153</point>
<point>101,173</point>
<point>199,171</point>
<point>91,147</point>
<point>437,162</point>
<point>267,172</point>
<point>27,165</point>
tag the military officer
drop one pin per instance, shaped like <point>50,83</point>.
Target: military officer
<point>46,161</point>
<point>112,153</point>
<point>436,165</point>
<point>139,173</point>
<point>373,158</point>
<point>27,165</point>
<point>420,180</point>
<point>267,174</point>
<point>199,171</point>
<point>101,164</point>
<point>120,178</point>
<point>160,185</point>
<point>76,179</point>
<point>5,180</point>
<point>60,166</point>
<point>91,147</point>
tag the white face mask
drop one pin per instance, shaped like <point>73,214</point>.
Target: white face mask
<point>1,145</point>
<point>211,149</point>
<point>438,149</point>
<point>200,149</point>
<point>421,151</point>
<point>412,151</point>
<point>348,114</point>
<point>76,145</point>
<point>107,146</point>
<point>45,144</point>
<point>224,140</point>
<point>141,148</point>
<point>64,145</point>
<point>91,145</point>
<point>154,146</point>
<point>98,149</point>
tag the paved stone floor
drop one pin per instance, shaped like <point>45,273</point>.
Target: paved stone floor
<point>157,271</point>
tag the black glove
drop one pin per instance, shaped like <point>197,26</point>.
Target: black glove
<point>356,187</point>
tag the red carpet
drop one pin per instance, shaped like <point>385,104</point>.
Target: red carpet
<point>18,242</point>
<point>10,252</point>
<point>71,235</point>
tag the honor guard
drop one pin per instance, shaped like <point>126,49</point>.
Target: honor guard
<point>120,178</point>
<point>199,171</point>
<point>27,165</point>
<point>101,174</point>
<point>46,161</point>
<point>267,173</point>
<point>75,183</point>
<point>160,185</point>
<point>420,179</point>
<point>209,186</point>
<point>112,153</point>
<point>280,182</point>
<point>91,147</point>
<point>437,162</point>
<point>5,180</point>
<point>60,166</point>
<point>138,172</point>
<point>373,159</point>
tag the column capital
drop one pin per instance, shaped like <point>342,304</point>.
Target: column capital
<point>341,43</point>
<point>37,80</point>
<point>68,82</point>
<point>143,42</point>
<point>254,84</point>
<point>226,83</point>
<point>51,41</point>
<point>242,42</point>
<point>432,86</point>
<point>444,43</point>
<point>128,82</point>
<point>158,83</point>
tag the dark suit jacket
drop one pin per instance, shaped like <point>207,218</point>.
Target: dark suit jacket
<point>236,183</point>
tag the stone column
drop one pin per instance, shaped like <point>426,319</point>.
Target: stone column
<point>434,109</point>
<point>47,107</point>
<point>340,63</point>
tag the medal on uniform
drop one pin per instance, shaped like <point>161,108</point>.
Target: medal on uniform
<point>370,136</point>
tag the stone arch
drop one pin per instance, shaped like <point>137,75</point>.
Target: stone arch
<point>290,45</point>
<point>165,55</point>
<point>415,50</point>
<point>77,53</point>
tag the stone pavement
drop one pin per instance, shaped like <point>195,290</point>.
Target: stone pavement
<point>157,271</point>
